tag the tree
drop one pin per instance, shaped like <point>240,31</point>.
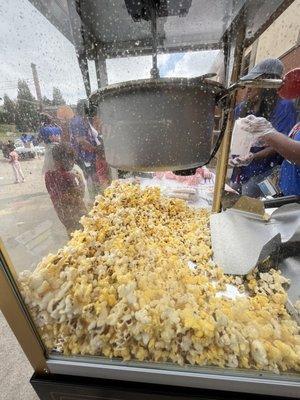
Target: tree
<point>46,101</point>
<point>58,99</point>
<point>9,108</point>
<point>3,116</point>
<point>27,118</point>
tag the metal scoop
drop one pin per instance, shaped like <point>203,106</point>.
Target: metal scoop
<point>245,236</point>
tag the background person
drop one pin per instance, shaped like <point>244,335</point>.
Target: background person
<point>50,134</point>
<point>16,166</point>
<point>282,115</point>
<point>84,140</point>
<point>66,188</point>
<point>64,114</point>
<point>287,146</point>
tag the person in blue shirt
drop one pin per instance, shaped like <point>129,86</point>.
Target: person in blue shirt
<point>84,140</point>
<point>50,134</point>
<point>287,146</point>
<point>282,115</point>
<point>26,138</point>
<point>49,131</point>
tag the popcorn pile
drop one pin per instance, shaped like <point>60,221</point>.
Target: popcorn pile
<point>123,288</point>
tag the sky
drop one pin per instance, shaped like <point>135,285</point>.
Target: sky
<point>26,36</point>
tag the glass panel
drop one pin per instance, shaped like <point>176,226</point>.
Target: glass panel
<point>186,64</point>
<point>125,269</point>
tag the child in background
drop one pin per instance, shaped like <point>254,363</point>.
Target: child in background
<point>14,161</point>
<point>66,188</point>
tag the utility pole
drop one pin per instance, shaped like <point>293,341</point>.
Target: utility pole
<point>37,86</point>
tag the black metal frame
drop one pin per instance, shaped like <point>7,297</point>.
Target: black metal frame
<point>66,387</point>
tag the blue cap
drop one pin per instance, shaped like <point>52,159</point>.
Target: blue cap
<point>269,66</point>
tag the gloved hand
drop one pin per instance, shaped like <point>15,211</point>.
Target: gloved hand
<point>241,161</point>
<point>206,173</point>
<point>258,127</point>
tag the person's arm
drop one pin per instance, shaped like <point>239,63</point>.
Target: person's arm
<point>285,146</point>
<point>267,152</point>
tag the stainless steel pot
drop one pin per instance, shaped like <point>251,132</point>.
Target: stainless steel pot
<point>161,124</point>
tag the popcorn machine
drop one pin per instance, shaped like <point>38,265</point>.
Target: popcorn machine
<point>82,315</point>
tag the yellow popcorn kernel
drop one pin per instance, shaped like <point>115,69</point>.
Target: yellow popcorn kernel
<point>287,352</point>
<point>274,354</point>
<point>279,298</point>
<point>107,351</point>
<point>133,294</point>
<point>244,362</point>
<point>141,354</point>
<point>111,300</point>
<point>266,331</point>
<point>151,344</point>
<point>252,284</point>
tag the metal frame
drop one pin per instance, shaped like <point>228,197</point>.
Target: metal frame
<point>223,153</point>
<point>201,378</point>
<point>16,314</point>
<point>80,45</point>
<point>269,21</point>
<point>85,43</point>
<point>55,16</point>
<point>101,71</point>
<point>161,49</point>
<point>14,309</point>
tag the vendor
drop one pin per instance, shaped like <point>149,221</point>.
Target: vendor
<point>287,146</point>
<point>282,115</point>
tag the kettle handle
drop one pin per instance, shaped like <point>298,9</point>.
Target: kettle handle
<point>281,201</point>
<point>254,83</point>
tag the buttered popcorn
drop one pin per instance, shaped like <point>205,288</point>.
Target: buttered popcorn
<point>122,287</point>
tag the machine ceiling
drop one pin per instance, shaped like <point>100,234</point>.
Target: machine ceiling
<point>116,28</point>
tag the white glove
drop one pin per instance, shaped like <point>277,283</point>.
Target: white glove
<point>241,161</point>
<point>257,126</point>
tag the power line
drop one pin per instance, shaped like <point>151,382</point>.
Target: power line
<point>8,82</point>
<point>14,87</point>
<point>14,83</point>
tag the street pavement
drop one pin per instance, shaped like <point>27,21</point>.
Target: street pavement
<point>29,226</point>
<point>15,370</point>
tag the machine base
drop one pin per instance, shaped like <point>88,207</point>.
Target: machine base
<point>66,387</point>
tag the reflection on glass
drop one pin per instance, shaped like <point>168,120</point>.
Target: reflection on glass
<point>125,269</point>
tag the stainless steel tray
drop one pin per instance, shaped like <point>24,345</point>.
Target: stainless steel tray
<point>236,380</point>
